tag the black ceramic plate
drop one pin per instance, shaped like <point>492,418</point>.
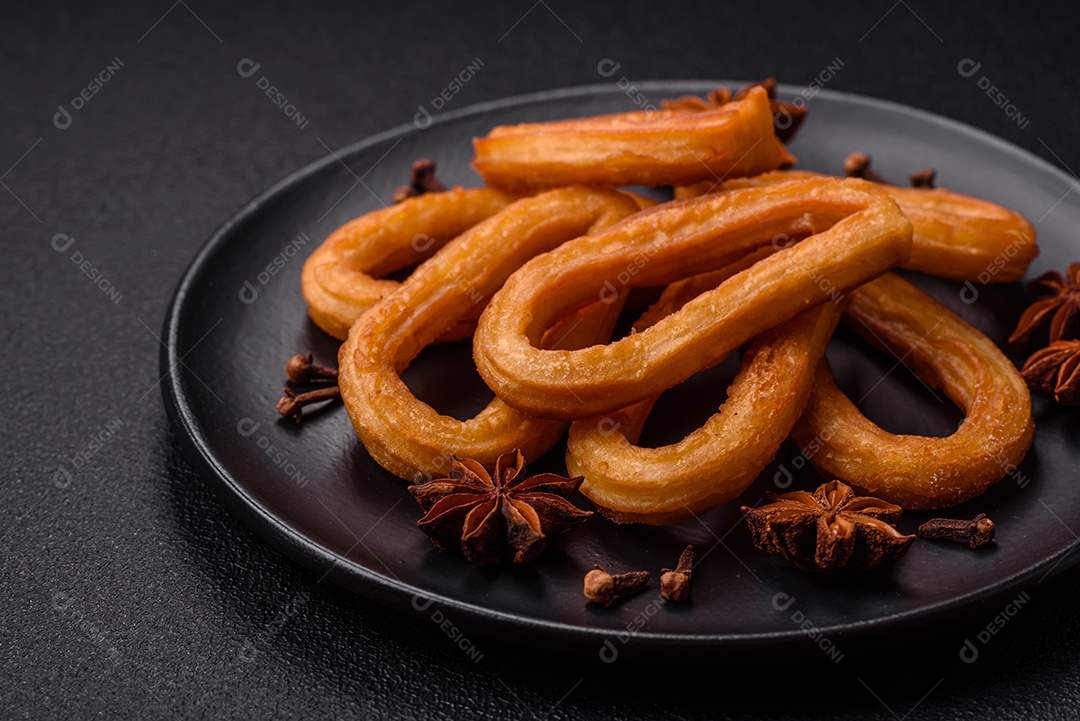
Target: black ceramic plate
<point>314,493</point>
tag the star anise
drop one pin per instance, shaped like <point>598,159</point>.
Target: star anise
<point>1058,305</point>
<point>1055,371</point>
<point>486,516</point>
<point>828,528</point>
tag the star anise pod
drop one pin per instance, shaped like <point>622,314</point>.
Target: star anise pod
<point>1055,371</point>
<point>486,516</point>
<point>828,528</point>
<point>1058,305</point>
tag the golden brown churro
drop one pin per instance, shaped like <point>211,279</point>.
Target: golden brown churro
<point>855,231</point>
<point>919,472</point>
<point>956,236</point>
<point>770,261</point>
<point>344,276</point>
<point>407,436</point>
<point>645,147</point>
<point>717,462</point>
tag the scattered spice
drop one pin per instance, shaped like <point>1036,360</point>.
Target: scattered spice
<point>857,165</point>
<point>977,532</point>
<point>422,180</point>
<point>300,369</point>
<point>604,588</point>
<point>1058,306</point>
<point>787,117</point>
<point>1055,371</point>
<point>923,178</point>
<point>828,529</point>
<point>675,584</point>
<point>486,516</point>
<point>292,404</point>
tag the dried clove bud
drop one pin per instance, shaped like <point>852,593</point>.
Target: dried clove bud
<point>923,178</point>
<point>857,165</point>
<point>300,369</point>
<point>291,404</point>
<point>675,584</point>
<point>977,532</point>
<point>603,588</point>
<point>421,180</point>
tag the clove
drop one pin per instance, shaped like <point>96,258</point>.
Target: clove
<point>977,532</point>
<point>300,369</point>
<point>857,165</point>
<point>675,583</point>
<point>603,588</point>
<point>292,404</point>
<point>422,180</point>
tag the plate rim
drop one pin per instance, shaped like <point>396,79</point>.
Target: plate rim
<point>491,622</point>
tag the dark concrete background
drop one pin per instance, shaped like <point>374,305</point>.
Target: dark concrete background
<point>129,592</point>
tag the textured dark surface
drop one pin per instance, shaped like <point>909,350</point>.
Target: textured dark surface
<point>129,591</point>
